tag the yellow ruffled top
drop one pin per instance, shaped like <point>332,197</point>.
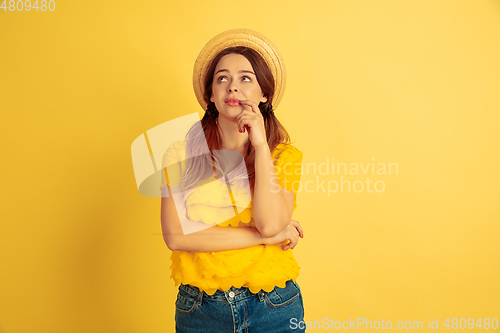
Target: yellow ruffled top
<point>257,267</point>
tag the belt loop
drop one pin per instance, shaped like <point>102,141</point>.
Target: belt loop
<point>200,297</point>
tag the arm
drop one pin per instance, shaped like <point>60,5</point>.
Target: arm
<point>214,238</point>
<point>210,239</point>
<point>217,238</point>
<point>272,206</point>
<point>200,236</point>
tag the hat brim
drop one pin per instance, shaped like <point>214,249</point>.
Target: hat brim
<point>240,37</point>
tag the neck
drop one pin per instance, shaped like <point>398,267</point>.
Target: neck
<point>231,138</point>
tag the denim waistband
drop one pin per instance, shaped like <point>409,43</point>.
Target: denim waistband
<point>233,294</point>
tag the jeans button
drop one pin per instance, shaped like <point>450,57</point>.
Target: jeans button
<point>231,294</point>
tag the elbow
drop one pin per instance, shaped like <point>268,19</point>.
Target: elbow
<point>268,231</point>
<point>171,243</point>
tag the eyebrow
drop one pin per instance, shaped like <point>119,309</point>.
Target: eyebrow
<point>242,71</point>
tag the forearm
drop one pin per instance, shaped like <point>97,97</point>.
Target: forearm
<point>181,233</point>
<point>270,208</point>
<point>216,238</point>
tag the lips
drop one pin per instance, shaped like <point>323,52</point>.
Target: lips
<point>232,101</point>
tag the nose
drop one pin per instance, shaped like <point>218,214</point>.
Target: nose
<point>233,87</point>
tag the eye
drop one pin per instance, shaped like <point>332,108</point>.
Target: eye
<point>246,79</point>
<point>221,78</point>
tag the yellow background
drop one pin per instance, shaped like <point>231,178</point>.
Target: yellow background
<point>409,82</point>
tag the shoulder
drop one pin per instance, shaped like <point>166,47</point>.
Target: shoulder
<point>178,145</point>
<point>175,153</point>
<point>174,162</point>
<point>176,148</point>
<point>286,153</point>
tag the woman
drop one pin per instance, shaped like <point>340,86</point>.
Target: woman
<point>226,219</point>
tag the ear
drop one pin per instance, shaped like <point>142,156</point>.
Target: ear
<point>263,99</point>
<point>212,98</point>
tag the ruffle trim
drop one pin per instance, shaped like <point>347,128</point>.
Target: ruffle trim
<point>214,205</point>
<point>221,216</point>
<point>257,268</point>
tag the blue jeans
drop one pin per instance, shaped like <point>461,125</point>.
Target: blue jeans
<point>239,311</point>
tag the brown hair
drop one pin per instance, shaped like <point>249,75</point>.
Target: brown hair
<point>199,165</point>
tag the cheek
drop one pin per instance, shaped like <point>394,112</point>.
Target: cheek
<point>216,89</point>
<point>217,93</point>
<point>258,92</point>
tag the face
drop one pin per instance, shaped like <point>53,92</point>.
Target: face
<point>234,79</point>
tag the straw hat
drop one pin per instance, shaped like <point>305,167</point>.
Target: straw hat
<point>240,37</point>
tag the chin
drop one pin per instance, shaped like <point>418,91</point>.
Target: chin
<point>231,112</point>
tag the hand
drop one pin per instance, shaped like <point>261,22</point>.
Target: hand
<point>290,233</point>
<point>251,120</point>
